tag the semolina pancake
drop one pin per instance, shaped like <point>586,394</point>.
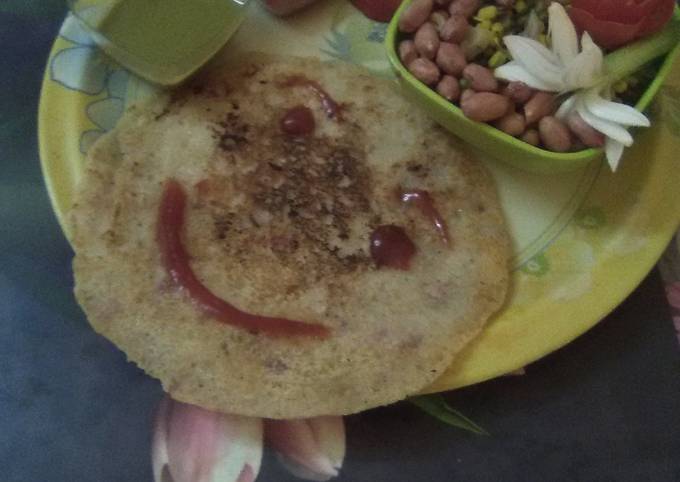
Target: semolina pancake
<point>283,225</point>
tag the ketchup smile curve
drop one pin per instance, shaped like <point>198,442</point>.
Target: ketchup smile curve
<point>176,261</point>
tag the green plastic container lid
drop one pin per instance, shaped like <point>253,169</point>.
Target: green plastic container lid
<point>163,41</point>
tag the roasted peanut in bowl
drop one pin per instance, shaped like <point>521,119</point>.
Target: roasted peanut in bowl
<point>525,81</point>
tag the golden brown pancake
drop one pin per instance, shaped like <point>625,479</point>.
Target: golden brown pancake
<point>280,226</point>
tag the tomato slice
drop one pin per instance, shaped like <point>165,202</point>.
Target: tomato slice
<point>176,261</point>
<point>658,18</point>
<point>613,23</point>
<point>606,34</point>
<point>623,11</point>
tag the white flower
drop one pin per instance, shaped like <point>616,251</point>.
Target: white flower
<point>564,69</point>
<point>609,118</point>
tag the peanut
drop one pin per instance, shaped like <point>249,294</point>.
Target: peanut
<point>427,40</point>
<point>454,29</point>
<point>438,18</point>
<point>512,124</point>
<point>531,137</point>
<point>465,94</point>
<point>465,8</point>
<point>540,105</point>
<point>584,131</point>
<point>519,92</point>
<point>407,51</point>
<point>449,88</point>
<point>415,15</point>
<point>554,134</point>
<point>576,144</point>
<point>485,106</point>
<point>481,79</point>
<point>424,70</point>
<point>450,58</point>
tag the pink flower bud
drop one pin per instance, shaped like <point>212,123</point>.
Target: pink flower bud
<point>312,448</point>
<point>673,294</point>
<point>191,444</point>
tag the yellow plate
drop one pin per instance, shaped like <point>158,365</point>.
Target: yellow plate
<point>583,240</point>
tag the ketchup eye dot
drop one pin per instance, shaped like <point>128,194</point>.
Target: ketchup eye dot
<point>298,121</point>
<point>391,247</point>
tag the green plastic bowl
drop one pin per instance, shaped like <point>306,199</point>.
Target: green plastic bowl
<point>486,137</point>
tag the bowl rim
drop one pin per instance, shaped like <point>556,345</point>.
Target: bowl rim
<point>563,158</point>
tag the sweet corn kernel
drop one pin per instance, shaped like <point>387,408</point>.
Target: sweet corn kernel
<point>497,28</point>
<point>520,6</point>
<point>498,59</point>
<point>620,87</point>
<point>487,13</point>
<point>485,24</point>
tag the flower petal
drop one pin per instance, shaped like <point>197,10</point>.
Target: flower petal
<point>80,68</point>
<point>302,472</point>
<point>105,113</point>
<point>584,131</point>
<point>192,442</point>
<point>676,322</point>
<point>329,433</point>
<point>608,128</point>
<point>673,294</point>
<point>537,60</point>
<point>564,38</point>
<point>614,111</point>
<point>159,444</point>
<point>514,71</point>
<point>614,151</point>
<point>195,445</point>
<point>586,68</point>
<point>310,448</point>
<point>73,31</point>
<point>523,49</point>
<point>534,27</point>
<point>566,107</point>
<point>240,449</point>
<point>117,83</point>
<point>247,474</point>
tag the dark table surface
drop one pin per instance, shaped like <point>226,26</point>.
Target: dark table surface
<point>604,408</point>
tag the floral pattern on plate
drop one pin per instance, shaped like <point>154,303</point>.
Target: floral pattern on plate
<point>83,67</point>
